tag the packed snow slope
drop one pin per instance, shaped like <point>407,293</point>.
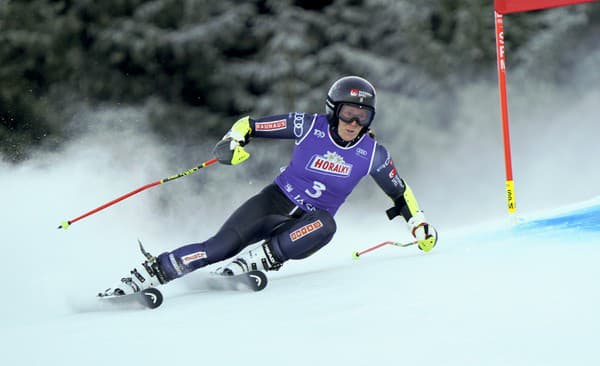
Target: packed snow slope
<point>504,293</point>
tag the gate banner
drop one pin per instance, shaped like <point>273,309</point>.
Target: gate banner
<point>515,6</point>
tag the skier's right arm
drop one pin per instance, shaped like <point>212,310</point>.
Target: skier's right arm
<point>230,150</point>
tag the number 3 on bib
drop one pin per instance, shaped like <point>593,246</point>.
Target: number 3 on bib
<point>317,191</point>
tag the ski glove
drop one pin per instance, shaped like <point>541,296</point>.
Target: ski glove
<point>230,150</point>
<point>425,233</point>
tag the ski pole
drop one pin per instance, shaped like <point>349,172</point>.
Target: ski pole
<point>357,254</point>
<point>66,224</point>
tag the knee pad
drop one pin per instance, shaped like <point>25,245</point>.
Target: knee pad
<point>304,236</point>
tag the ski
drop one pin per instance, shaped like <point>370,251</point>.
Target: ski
<point>150,297</point>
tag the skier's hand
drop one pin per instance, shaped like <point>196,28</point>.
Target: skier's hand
<point>425,233</point>
<point>230,150</point>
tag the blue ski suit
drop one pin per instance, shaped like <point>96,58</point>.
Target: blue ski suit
<point>296,212</point>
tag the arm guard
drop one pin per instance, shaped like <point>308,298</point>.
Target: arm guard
<point>240,131</point>
<point>405,205</point>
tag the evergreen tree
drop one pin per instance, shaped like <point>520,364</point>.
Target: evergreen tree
<point>196,65</point>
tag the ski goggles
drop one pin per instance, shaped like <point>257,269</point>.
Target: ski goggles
<point>354,112</point>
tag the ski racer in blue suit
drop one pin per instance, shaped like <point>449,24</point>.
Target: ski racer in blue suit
<point>294,216</point>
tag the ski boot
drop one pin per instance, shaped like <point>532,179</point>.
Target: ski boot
<point>149,274</point>
<point>260,258</point>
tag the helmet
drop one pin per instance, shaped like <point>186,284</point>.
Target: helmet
<point>353,90</point>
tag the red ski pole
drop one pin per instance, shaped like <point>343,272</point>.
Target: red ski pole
<point>357,254</point>
<point>66,224</point>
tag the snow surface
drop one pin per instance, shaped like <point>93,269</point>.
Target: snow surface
<point>495,293</point>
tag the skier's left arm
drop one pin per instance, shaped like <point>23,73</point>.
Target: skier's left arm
<point>386,176</point>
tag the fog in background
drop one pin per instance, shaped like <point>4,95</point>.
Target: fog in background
<point>456,172</point>
<point>450,149</point>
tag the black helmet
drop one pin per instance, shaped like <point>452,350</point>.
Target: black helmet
<point>352,90</point>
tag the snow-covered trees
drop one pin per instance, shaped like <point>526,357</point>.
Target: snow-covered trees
<point>195,65</point>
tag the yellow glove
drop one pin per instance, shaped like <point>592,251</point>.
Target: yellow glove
<point>229,152</point>
<point>425,233</point>
<point>230,149</point>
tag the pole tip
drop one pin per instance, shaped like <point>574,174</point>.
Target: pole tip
<point>64,225</point>
<point>355,255</point>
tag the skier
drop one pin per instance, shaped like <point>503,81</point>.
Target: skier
<point>295,214</point>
